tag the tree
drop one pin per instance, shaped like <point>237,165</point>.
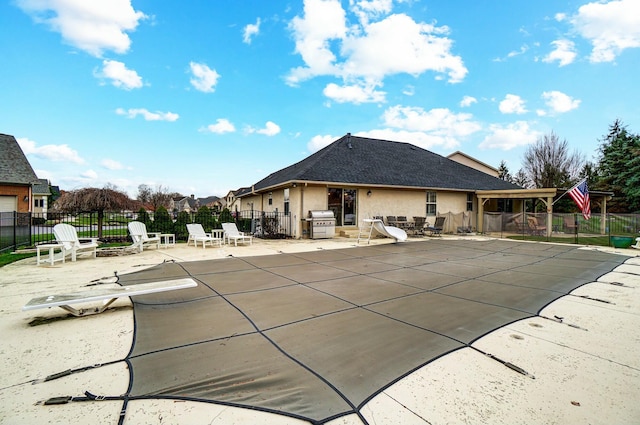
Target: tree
<point>180,226</point>
<point>520,178</point>
<point>503,171</point>
<point>91,199</point>
<point>205,217</point>
<point>619,168</point>
<point>160,196</point>
<point>162,221</point>
<point>548,163</point>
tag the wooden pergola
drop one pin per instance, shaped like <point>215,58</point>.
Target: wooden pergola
<point>546,195</point>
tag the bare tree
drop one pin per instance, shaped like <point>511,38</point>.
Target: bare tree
<point>92,199</point>
<point>548,162</point>
<point>520,178</point>
<point>155,198</point>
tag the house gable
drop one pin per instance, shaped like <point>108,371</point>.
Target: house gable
<point>15,169</point>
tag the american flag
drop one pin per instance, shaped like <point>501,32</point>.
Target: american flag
<point>580,195</point>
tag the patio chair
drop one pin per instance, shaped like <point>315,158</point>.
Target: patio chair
<point>140,236</point>
<point>418,225</point>
<point>436,229</point>
<point>72,245</point>
<point>535,228</point>
<point>197,234</point>
<point>570,225</point>
<point>231,232</point>
<point>391,220</point>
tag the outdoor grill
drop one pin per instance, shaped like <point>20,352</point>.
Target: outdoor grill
<point>322,224</point>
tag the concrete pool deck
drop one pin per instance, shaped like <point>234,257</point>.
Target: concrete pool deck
<point>586,369</point>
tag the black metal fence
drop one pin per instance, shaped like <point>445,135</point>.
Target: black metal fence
<point>567,228</point>
<point>21,230</point>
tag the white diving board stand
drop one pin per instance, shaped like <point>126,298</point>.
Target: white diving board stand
<point>107,295</point>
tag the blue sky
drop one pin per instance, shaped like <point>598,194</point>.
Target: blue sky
<point>202,97</point>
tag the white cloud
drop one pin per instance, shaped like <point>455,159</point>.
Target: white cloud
<point>357,93</point>
<point>56,153</point>
<point>204,78</point>
<point>468,101</point>
<point>510,136</point>
<point>270,129</point>
<point>149,116</point>
<point>92,26</point>
<point>409,90</point>
<point>89,175</point>
<point>323,21</point>
<point>367,9</point>
<point>111,164</point>
<point>364,53</point>
<point>512,104</point>
<point>559,102</point>
<point>564,53</point>
<point>436,127</point>
<point>221,126</point>
<point>418,138</point>
<point>439,121</point>
<point>250,30</point>
<point>610,27</point>
<point>119,75</point>
<point>318,142</point>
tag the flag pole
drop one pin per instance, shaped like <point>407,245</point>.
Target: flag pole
<point>569,190</point>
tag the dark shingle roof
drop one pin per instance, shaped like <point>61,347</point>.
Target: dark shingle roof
<point>14,166</point>
<point>41,187</point>
<point>360,160</point>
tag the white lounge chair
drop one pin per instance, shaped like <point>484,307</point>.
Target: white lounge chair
<point>231,232</point>
<point>140,237</point>
<point>67,235</point>
<point>637,245</point>
<point>197,234</point>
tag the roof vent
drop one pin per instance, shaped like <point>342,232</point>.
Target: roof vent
<point>349,141</point>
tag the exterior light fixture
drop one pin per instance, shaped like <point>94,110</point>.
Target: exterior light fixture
<point>369,193</point>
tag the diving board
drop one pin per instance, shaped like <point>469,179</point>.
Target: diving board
<point>108,295</point>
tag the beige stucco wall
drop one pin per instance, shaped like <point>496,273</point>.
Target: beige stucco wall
<point>473,164</point>
<point>381,202</point>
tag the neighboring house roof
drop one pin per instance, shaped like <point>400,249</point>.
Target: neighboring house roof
<point>41,188</point>
<point>14,166</point>
<point>364,161</point>
<point>208,200</point>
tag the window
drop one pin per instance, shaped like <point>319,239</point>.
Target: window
<point>286,202</point>
<point>343,204</point>
<point>431,204</point>
<point>469,201</point>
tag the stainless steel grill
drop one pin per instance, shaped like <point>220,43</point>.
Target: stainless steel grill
<point>322,224</point>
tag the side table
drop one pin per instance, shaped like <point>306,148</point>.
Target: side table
<point>167,239</point>
<point>51,248</point>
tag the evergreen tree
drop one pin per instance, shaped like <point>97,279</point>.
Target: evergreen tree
<point>180,226</point>
<point>205,217</point>
<point>162,221</point>
<point>503,171</point>
<point>619,168</point>
<point>143,216</point>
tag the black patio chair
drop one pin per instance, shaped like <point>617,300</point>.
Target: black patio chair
<point>436,229</point>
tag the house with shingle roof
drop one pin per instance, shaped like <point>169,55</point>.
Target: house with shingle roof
<point>41,192</point>
<point>358,177</point>
<point>16,177</point>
